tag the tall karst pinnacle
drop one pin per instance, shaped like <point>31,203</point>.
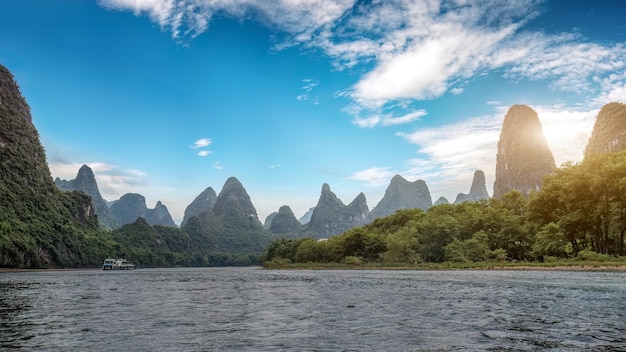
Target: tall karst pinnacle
<point>523,156</point>
<point>609,130</point>
<point>478,190</point>
<point>85,182</point>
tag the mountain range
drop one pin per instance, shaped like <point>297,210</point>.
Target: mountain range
<point>45,222</point>
<point>520,166</point>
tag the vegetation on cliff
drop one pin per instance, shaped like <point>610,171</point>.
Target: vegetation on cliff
<point>39,225</point>
<point>580,212</point>
<point>609,130</point>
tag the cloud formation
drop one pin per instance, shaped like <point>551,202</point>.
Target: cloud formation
<point>309,85</point>
<point>415,49</point>
<point>113,181</point>
<point>202,143</point>
<point>409,51</point>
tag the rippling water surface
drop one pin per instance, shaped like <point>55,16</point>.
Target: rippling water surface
<point>248,309</point>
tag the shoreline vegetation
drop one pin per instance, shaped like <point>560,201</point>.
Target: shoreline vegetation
<point>614,264</point>
<point>619,264</point>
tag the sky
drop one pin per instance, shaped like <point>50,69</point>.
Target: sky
<point>168,97</point>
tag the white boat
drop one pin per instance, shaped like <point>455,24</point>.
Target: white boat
<point>117,264</point>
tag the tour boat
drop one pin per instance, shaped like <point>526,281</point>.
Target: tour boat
<point>117,264</point>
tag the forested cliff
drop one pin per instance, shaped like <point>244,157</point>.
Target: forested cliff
<point>39,225</point>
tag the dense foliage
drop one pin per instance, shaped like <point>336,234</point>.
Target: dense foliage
<point>580,212</point>
<point>39,225</point>
<point>164,246</point>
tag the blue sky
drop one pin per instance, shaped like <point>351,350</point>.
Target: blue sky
<point>165,98</point>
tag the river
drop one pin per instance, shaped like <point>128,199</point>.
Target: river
<point>250,309</point>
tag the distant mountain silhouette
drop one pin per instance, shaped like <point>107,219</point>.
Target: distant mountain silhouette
<point>132,206</point>
<point>268,220</point>
<point>85,182</point>
<point>441,200</point>
<point>478,190</point>
<point>609,130</point>
<point>284,222</point>
<point>523,156</point>
<point>331,217</point>
<point>203,203</point>
<point>304,219</point>
<point>232,226</point>
<point>402,194</point>
<point>234,201</point>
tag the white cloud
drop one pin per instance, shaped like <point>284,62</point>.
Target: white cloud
<point>218,165</point>
<point>201,143</point>
<point>189,18</point>
<point>410,117</point>
<point>375,176</point>
<point>367,122</point>
<point>568,63</point>
<point>416,49</point>
<point>567,130</point>
<point>457,91</point>
<point>113,181</point>
<point>309,85</point>
<point>387,119</point>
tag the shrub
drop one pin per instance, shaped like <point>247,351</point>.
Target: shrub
<point>352,260</point>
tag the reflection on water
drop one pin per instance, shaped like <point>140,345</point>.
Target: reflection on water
<point>248,309</point>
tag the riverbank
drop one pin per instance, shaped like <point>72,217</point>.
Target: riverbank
<point>17,270</point>
<point>560,266</point>
<point>556,266</point>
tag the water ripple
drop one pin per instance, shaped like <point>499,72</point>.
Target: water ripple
<point>247,309</point>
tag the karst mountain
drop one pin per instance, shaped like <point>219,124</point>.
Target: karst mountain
<point>523,156</point>
<point>132,206</point>
<point>609,130</point>
<point>331,217</point>
<point>203,203</point>
<point>402,194</point>
<point>39,224</point>
<point>85,182</point>
<point>478,190</point>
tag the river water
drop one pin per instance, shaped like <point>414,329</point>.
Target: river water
<point>249,309</point>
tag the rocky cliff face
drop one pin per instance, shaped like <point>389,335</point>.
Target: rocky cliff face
<point>402,194</point>
<point>40,226</point>
<point>85,182</point>
<point>160,215</point>
<point>203,203</point>
<point>357,211</point>
<point>284,222</point>
<point>234,201</point>
<point>478,190</point>
<point>331,217</point>
<point>132,206</point>
<point>268,220</point>
<point>306,218</point>
<point>232,226</point>
<point>523,156</point>
<point>609,130</point>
